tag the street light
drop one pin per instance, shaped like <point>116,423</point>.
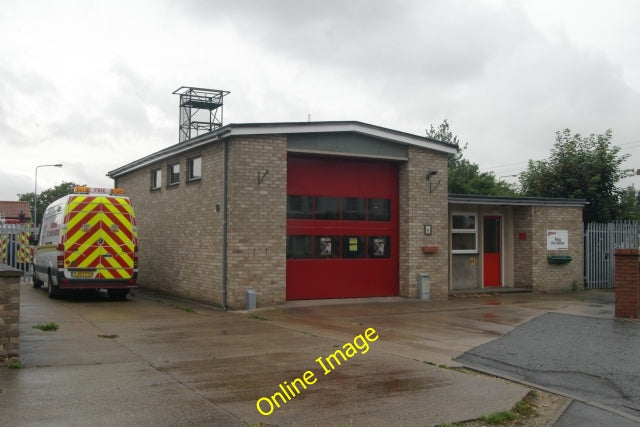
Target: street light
<point>35,193</point>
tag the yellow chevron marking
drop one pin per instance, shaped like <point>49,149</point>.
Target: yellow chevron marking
<point>101,211</point>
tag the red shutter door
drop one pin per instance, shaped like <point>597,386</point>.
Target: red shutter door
<point>342,228</point>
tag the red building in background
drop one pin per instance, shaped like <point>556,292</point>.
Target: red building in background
<point>14,212</point>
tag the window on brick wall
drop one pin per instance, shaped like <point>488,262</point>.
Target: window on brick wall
<point>173,174</point>
<point>194,168</point>
<point>156,179</point>
<point>464,233</point>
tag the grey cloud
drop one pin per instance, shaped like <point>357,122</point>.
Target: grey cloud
<point>12,184</point>
<point>408,40</point>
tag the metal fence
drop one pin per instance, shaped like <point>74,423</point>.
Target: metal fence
<point>600,242</point>
<point>16,249</point>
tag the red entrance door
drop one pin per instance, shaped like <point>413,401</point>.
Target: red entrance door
<point>492,257</point>
<point>342,228</point>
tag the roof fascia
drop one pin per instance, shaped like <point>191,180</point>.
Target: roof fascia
<point>243,129</point>
<point>507,201</point>
<point>332,127</point>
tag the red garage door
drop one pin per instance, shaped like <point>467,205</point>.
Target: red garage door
<point>342,228</point>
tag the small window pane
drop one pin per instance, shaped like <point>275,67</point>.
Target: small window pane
<point>174,174</point>
<point>156,179</point>
<point>379,210</point>
<point>463,241</point>
<point>353,208</point>
<point>327,208</point>
<point>195,168</point>
<point>353,247</point>
<point>298,247</point>
<point>379,247</point>
<point>463,222</point>
<point>299,207</point>
<point>327,247</point>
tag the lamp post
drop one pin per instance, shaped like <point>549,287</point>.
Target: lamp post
<point>35,193</point>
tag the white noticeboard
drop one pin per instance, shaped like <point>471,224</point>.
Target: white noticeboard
<point>557,240</point>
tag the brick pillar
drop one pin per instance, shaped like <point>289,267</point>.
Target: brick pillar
<point>627,283</point>
<point>9,314</point>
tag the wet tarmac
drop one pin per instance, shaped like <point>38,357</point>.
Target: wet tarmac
<point>157,360</point>
<point>590,359</point>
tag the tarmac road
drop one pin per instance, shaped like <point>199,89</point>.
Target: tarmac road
<point>594,360</point>
<point>156,360</point>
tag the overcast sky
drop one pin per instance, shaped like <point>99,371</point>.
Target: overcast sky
<point>89,83</point>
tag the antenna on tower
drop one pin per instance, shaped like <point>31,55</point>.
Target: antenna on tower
<point>200,111</point>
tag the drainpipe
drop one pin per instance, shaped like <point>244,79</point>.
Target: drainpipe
<point>225,175</point>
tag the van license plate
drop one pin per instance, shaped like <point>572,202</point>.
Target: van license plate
<point>82,274</point>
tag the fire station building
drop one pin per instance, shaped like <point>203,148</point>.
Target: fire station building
<point>334,210</point>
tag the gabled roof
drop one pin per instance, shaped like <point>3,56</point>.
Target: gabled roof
<point>469,199</point>
<point>240,129</point>
<point>12,209</point>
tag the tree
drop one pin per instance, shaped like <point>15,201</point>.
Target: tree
<point>629,204</point>
<point>47,196</point>
<point>580,168</point>
<point>465,177</point>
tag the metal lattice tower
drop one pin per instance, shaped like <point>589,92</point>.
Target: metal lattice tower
<point>200,110</point>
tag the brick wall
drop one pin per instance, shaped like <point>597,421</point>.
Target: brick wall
<point>257,219</point>
<point>531,266</point>
<point>523,247</point>
<point>627,283</point>
<point>419,207</point>
<point>179,227</point>
<point>9,314</point>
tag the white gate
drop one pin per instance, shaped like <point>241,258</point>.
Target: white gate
<point>15,247</point>
<point>600,242</point>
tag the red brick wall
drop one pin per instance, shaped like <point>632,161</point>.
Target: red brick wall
<point>627,283</point>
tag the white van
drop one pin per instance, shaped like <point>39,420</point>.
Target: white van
<point>88,240</point>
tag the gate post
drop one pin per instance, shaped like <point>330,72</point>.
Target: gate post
<point>627,283</point>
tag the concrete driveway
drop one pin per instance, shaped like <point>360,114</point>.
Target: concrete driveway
<point>155,360</point>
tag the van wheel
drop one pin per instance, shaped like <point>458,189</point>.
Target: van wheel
<point>118,294</point>
<point>52,291</point>
<point>37,284</point>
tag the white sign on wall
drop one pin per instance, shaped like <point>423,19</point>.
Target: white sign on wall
<point>557,240</point>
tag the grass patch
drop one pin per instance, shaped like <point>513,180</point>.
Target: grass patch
<point>183,308</point>
<point>523,408</point>
<point>520,409</point>
<point>179,307</point>
<point>14,364</point>
<point>499,417</point>
<point>256,316</point>
<point>51,326</point>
